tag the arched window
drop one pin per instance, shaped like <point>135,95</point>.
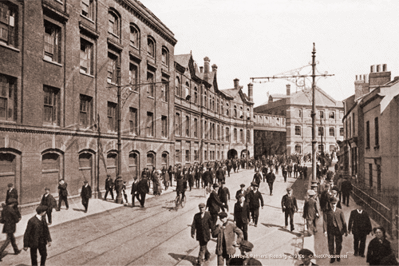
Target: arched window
<point>218,133</point>
<point>195,127</point>
<point>242,136</point>
<point>114,23</point>
<point>332,131</point>
<point>150,160</point>
<point>195,95</point>
<point>177,125</point>
<point>165,159</point>
<point>227,134</point>
<point>221,108</point>
<point>165,57</point>
<point>134,36</point>
<point>205,99</point>
<point>134,159</point>
<point>217,106</point>
<point>112,163</point>
<point>248,136</point>
<point>51,169</point>
<point>150,47</point>
<point>8,171</point>
<point>235,111</point>
<point>187,90</point>
<point>235,135</point>
<point>178,92</point>
<point>187,126</point>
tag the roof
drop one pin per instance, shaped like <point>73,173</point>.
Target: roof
<point>183,59</point>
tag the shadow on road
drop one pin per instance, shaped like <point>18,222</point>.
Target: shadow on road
<point>78,210</point>
<point>180,257</point>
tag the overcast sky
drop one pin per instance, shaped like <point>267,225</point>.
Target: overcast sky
<point>254,38</point>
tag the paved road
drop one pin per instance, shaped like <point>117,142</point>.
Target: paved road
<point>159,235</point>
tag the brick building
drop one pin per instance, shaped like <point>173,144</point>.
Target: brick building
<point>58,84</point>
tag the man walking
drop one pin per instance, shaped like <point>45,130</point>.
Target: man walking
<point>254,196</point>
<point>202,226</point>
<point>346,188</point>
<point>359,224</point>
<point>270,177</point>
<point>311,212</point>
<point>135,192</point>
<point>118,189</point>
<point>11,192</point>
<point>109,184</point>
<point>37,236</point>
<point>334,226</point>
<point>257,178</point>
<point>48,201</point>
<point>143,189</point>
<point>10,217</point>
<point>62,194</point>
<point>225,232</point>
<point>241,215</point>
<point>241,191</point>
<point>289,206</point>
<point>85,194</point>
<point>214,203</point>
<point>224,195</point>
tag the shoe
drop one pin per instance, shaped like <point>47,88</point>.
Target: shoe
<point>17,252</point>
<point>362,256</point>
<point>67,208</point>
<point>332,260</point>
<point>338,259</point>
<point>292,229</point>
<point>256,225</point>
<point>356,254</point>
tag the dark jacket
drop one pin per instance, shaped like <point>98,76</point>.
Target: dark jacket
<point>325,200</point>
<point>142,186</point>
<point>257,178</point>
<point>227,233</point>
<point>9,217</point>
<point>241,214</point>
<point>289,203</point>
<point>181,184</point>
<point>359,224</point>
<point>270,177</point>
<point>135,186</point>
<point>214,203</point>
<point>62,190</point>
<point>109,184</point>
<point>220,174</point>
<point>377,251</point>
<point>118,184</point>
<point>202,226</point>
<point>224,194</point>
<point>346,187</point>
<point>36,230</point>
<point>241,192</point>
<point>246,261</point>
<point>253,199</point>
<point>328,221</point>
<point>310,209</point>
<point>12,194</point>
<point>86,192</point>
<point>207,177</point>
<point>48,201</point>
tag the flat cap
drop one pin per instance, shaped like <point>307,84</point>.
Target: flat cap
<point>85,181</point>
<point>248,246</point>
<point>41,209</point>
<point>12,200</point>
<point>311,192</point>
<point>10,185</point>
<point>201,205</point>
<point>222,215</point>
<point>215,185</point>
<point>334,200</point>
<point>289,189</point>
<point>47,189</point>
<point>305,252</point>
<point>223,182</point>
<point>254,184</point>
<point>242,185</point>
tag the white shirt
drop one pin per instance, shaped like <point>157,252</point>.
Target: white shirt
<point>39,217</point>
<point>360,211</point>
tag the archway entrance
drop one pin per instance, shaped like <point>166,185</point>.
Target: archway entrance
<point>232,154</point>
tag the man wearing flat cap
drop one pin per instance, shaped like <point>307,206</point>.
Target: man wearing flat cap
<point>11,192</point>
<point>246,256</point>
<point>85,194</point>
<point>242,215</point>
<point>224,195</point>
<point>254,196</point>
<point>270,178</point>
<point>10,217</point>
<point>225,232</point>
<point>202,226</point>
<point>37,236</point>
<point>214,203</point>
<point>257,178</point>
<point>48,201</point>
<point>306,255</point>
<point>311,212</point>
<point>334,226</point>
<point>242,190</point>
<point>290,207</point>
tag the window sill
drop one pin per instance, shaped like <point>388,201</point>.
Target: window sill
<point>7,122</point>
<point>377,147</point>
<point>114,35</point>
<point>3,44</point>
<point>84,73</point>
<point>52,62</point>
<point>134,47</point>
<point>87,18</point>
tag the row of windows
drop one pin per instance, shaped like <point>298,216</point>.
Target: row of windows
<point>320,148</point>
<point>376,134</point>
<point>212,155</point>
<point>321,131</point>
<point>331,115</point>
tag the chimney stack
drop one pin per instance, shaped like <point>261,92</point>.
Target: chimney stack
<point>206,65</point>
<point>380,76</point>
<point>251,92</point>
<point>201,69</point>
<point>214,68</point>
<point>288,86</point>
<point>236,83</point>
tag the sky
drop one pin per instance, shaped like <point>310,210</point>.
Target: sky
<point>258,38</point>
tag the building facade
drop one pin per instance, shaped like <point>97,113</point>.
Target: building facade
<point>297,109</point>
<point>269,135</point>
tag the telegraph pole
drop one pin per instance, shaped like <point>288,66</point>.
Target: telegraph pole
<point>295,76</point>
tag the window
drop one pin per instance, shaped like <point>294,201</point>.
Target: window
<point>218,132</point>
<point>151,85</point>
<point>151,48</point>
<point>85,111</point>
<point>235,135</point>
<point>205,155</point>
<point>376,134</point>
<point>195,95</point>
<point>8,98</point>
<point>111,68</point>
<point>298,149</point>
<point>52,42</point>
<point>177,125</point>
<point>86,57</point>
<point>196,158</point>
<point>341,131</point>
<point>165,90</point>
<point>187,155</point>
<point>134,36</point>
<point>378,177</point>
<point>321,148</point>
<point>51,114</point>
<point>178,92</point>
<point>133,129</point>
<point>164,132</point>
<point>206,130</point>
<point>241,135</point>
<point>332,131</point>
<point>321,131</point>
<point>300,113</point>
<point>134,159</point>
<point>88,8</point>
<point>150,124</point>
<point>205,99</point>
<point>370,175</point>
<point>367,135</point>
<point>165,160</point>
<point>113,23</point>
<point>297,130</point>
<point>321,114</point>
<point>227,134</point>
<point>248,136</point>
<point>8,24</point>
<point>133,76</point>
<point>187,126</point>
<point>165,57</point>
<point>332,115</point>
<point>111,114</point>
<point>177,153</point>
<point>332,148</point>
<point>195,127</point>
<point>150,160</point>
<point>187,90</point>
<point>353,124</point>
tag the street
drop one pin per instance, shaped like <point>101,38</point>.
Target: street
<point>160,235</point>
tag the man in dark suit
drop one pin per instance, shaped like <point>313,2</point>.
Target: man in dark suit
<point>48,201</point>
<point>143,189</point>
<point>202,225</point>
<point>270,177</point>
<point>257,178</point>
<point>289,207</point>
<point>334,226</point>
<point>311,212</point>
<point>224,196</point>
<point>85,194</point>
<point>254,196</point>
<point>241,191</point>
<point>214,203</point>
<point>10,217</point>
<point>346,188</point>
<point>359,224</point>
<point>62,194</point>
<point>109,185</point>
<point>220,175</point>
<point>11,193</point>
<point>241,215</point>
<point>37,236</point>
<point>135,191</point>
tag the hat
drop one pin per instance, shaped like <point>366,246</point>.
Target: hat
<point>242,185</point>
<point>215,185</point>
<point>334,200</point>
<point>10,185</point>
<point>246,245</point>
<point>85,181</point>
<point>12,200</point>
<point>41,209</point>
<point>47,189</point>
<point>223,182</point>
<point>254,184</point>
<point>311,192</point>
<point>305,252</point>
<point>201,205</point>
<point>241,195</point>
<point>222,215</point>
<point>288,189</point>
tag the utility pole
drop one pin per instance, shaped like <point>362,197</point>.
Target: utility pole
<point>299,80</point>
